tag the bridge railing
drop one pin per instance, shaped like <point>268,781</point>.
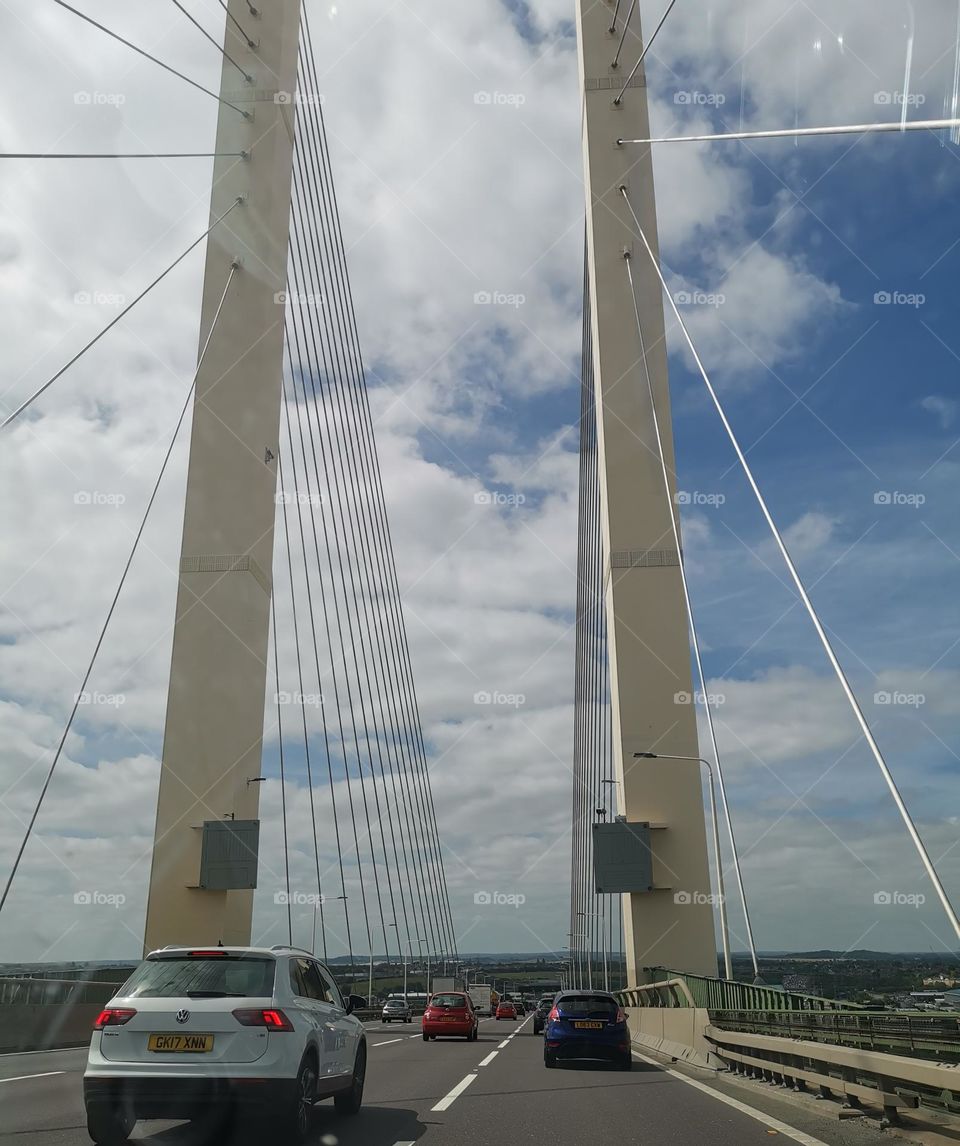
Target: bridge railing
<point>680,989</point>
<point>16,991</point>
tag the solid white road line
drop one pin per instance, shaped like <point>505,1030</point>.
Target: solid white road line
<point>489,1059</point>
<point>454,1094</point>
<point>22,1077</point>
<point>772,1123</point>
<point>388,1042</point>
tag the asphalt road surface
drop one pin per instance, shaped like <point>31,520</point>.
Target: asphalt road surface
<point>451,1092</point>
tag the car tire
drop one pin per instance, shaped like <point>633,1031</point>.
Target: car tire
<point>549,1060</point>
<point>109,1125</point>
<point>426,1038</point>
<point>626,1063</point>
<point>350,1101</point>
<point>297,1118</point>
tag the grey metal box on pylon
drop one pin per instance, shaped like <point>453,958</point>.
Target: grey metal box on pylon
<point>228,859</point>
<point>622,859</point>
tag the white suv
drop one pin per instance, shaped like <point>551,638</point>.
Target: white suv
<point>198,1033</point>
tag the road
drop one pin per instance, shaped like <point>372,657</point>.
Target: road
<point>453,1093</point>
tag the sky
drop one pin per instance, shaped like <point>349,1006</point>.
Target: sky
<point>820,278</point>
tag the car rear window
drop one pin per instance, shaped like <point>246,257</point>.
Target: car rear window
<point>448,1001</point>
<point>587,1007</point>
<point>225,976</point>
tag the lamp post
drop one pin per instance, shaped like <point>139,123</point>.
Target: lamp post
<point>583,935</point>
<point>724,930</point>
<point>400,945</point>
<point>420,943</point>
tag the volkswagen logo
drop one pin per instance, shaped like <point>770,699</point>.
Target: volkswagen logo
<point>182,1016</point>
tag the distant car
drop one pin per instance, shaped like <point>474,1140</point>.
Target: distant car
<point>506,1009</point>
<point>587,1025</point>
<point>198,1034</point>
<point>396,1010</point>
<point>450,1013</point>
<point>540,1014</point>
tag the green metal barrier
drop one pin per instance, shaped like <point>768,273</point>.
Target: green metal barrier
<point>679,989</point>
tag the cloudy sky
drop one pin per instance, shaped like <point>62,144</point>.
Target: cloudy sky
<point>822,275</point>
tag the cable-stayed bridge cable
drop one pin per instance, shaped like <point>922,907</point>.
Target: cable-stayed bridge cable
<point>116,597</point>
<point>802,591</point>
<point>153,59</point>
<point>113,322</point>
<point>646,48</point>
<point>223,52</point>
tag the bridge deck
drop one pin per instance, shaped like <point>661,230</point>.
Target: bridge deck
<point>512,1099</point>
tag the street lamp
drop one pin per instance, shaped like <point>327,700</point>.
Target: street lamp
<point>583,935</point>
<point>724,929</point>
<point>400,945</point>
<point>316,908</point>
<point>421,943</point>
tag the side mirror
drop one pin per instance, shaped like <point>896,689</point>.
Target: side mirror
<point>355,1003</point>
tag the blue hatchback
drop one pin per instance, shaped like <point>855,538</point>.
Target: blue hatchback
<point>587,1025</point>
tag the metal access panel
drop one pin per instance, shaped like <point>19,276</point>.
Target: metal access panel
<point>622,859</point>
<point>228,859</point>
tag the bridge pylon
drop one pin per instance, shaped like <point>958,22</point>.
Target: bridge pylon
<point>652,696</point>
<point>203,868</point>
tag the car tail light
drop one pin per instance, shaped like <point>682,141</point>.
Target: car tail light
<point>219,953</point>
<point>553,1016</point>
<point>273,1019</point>
<point>621,1016</point>
<point>113,1017</point>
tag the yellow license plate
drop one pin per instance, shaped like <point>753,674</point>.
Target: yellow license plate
<point>180,1044</point>
<point>589,1026</point>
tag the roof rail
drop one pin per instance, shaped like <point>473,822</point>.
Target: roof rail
<point>287,947</point>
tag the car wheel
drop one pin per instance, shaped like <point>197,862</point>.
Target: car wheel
<point>626,1063</point>
<point>549,1060</point>
<point>426,1038</point>
<point>296,1120</point>
<point>108,1125</point>
<point>350,1101</point>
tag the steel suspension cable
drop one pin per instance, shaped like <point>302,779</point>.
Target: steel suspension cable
<point>391,573</point>
<point>305,284</point>
<point>626,29</point>
<point>283,778</point>
<point>790,133</point>
<point>314,211</point>
<point>116,597</point>
<point>646,48</point>
<point>113,322</point>
<point>802,593</point>
<point>223,52</point>
<point>142,52</point>
<point>318,211</point>
<point>252,44</point>
<point>303,705</point>
<point>698,659</point>
<point>343,293</point>
<point>316,653</point>
<point>123,155</point>
<point>616,13</point>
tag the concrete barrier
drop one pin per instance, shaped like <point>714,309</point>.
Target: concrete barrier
<point>679,1032</point>
<point>33,1026</point>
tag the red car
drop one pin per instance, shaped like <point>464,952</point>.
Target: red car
<point>506,1010</point>
<point>450,1013</point>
